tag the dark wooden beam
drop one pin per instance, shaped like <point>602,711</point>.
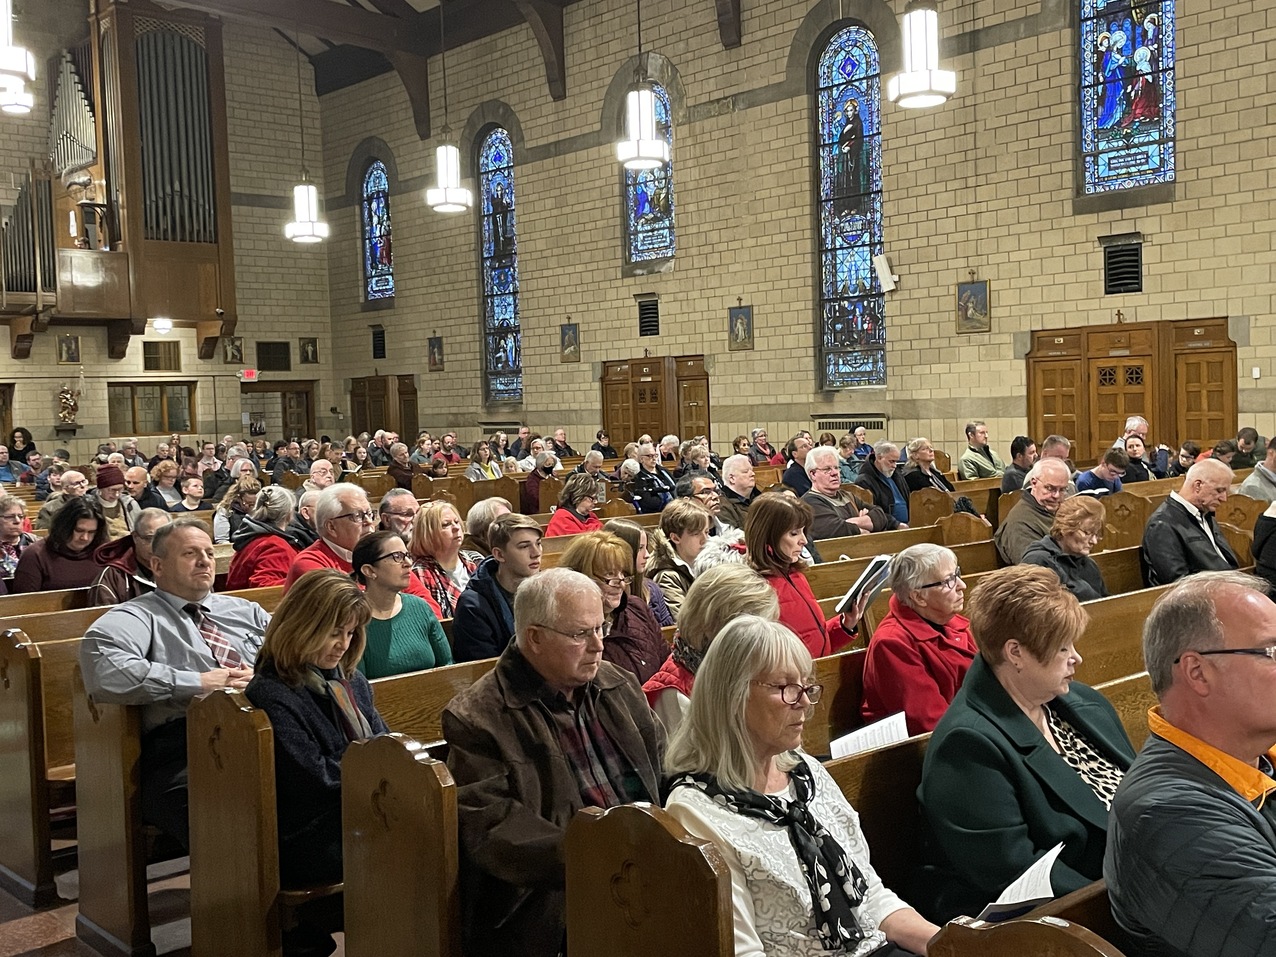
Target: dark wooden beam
<point>728,22</point>
<point>120,331</point>
<point>546,20</point>
<point>356,26</point>
<point>208,332</point>
<point>414,71</point>
<point>20,337</point>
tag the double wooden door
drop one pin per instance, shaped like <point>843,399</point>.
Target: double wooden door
<point>1180,376</point>
<point>385,402</point>
<point>657,396</point>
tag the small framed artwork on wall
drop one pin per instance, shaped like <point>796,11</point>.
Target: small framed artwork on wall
<point>740,328</point>
<point>309,348</point>
<point>69,350</point>
<point>436,354</point>
<point>973,313</point>
<point>233,350</point>
<point>569,342</point>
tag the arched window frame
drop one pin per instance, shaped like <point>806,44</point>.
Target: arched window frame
<point>376,232</point>
<point>647,202</point>
<point>851,320</point>
<point>498,267</point>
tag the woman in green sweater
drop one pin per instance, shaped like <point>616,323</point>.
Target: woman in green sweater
<point>404,634</point>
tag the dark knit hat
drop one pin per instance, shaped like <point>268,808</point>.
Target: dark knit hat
<point>109,475</point>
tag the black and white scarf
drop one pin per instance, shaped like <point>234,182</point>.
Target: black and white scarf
<point>837,884</point>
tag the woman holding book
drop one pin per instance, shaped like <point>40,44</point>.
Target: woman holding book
<point>922,649</point>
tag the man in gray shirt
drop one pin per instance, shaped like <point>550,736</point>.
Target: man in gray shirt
<point>162,649</point>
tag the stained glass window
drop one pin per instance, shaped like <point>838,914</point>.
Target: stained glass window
<point>498,243</point>
<point>1127,93</point>
<point>649,198</point>
<point>378,257</point>
<point>852,308</point>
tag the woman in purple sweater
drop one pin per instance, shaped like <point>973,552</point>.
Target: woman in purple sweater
<point>65,558</point>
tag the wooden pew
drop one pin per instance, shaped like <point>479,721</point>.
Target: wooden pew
<point>399,849</point>
<point>838,711</point>
<point>237,903</point>
<point>1125,516</point>
<point>1112,645</point>
<point>413,703</point>
<point>966,937</point>
<point>927,506</point>
<point>1131,696</point>
<point>829,579</point>
<point>1241,511</point>
<point>33,603</point>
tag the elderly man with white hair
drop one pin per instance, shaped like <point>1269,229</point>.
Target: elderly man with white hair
<point>1031,518</point>
<point>74,484</point>
<point>838,511</point>
<point>593,467</point>
<point>653,487</point>
<point>739,489</point>
<point>886,484</point>
<point>1181,536</point>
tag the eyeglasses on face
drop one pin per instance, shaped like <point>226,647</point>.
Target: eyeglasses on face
<point>366,517</point>
<point>1268,651</point>
<point>618,582</point>
<point>792,693</point>
<point>399,558</point>
<point>707,493</point>
<point>579,637</point>
<point>826,469</point>
<point>1053,489</point>
<point>948,583</point>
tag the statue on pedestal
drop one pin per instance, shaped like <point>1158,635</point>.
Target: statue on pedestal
<point>68,404</point>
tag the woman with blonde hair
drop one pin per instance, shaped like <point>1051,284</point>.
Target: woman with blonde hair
<point>717,597</point>
<point>265,543</point>
<point>632,638</point>
<point>802,883</point>
<point>1076,529</point>
<point>307,681</point>
<point>239,500</point>
<point>437,559</point>
<point>163,491</point>
<point>575,512</point>
<point>642,587</point>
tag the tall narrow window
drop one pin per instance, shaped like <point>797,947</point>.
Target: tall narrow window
<point>378,255</point>
<point>649,230</point>
<point>1127,94</point>
<point>852,308</point>
<point>498,243</point>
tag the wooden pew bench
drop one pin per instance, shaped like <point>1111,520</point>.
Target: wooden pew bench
<point>413,703</point>
<point>36,602</point>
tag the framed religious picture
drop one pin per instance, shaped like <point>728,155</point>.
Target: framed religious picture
<point>309,351</point>
<point>973,314</point>
<point>569,342</point>
<point>69,350</point>
<point>740,328</point>
<point>233,350</point>
<point>436,354</point>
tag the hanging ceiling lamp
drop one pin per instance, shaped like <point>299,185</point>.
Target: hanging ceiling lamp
<point>306,225</point>
<point>17,67</point>
<point>643,147</point>
<point>448,196</point>
<point>921,83</point>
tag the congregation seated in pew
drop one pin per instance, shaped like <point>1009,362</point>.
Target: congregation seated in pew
<point>403,633</point>
<point>440,567</point>
<point>126,562</point>
<point>13,540</point>
<point>684,529</point>
<point>484,620</point>
<point>65,558</point>
<point>887,486</point>
<point>1041,754</point>
<point>575,512</point>
<point>921,472</point>
<point>802,882</point>
<point>1182,536</point>
<point>642,587</point>
<point>1076,529</point>
<point>837,511</point>
<point>739,489</point>
<point>307,682</point>
<point>552,729</point>
<point>266,542</point>
<point>162,649</point>
<point>920,652</point>
<point>396,510</point>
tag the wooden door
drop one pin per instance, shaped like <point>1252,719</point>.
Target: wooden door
<point>1120,386</point>
<point>647,384</point>
<point>1057,387</point>
<point>6,410</point>
<point>368,404</point>
<point>693,407</point>
<point>297,417</point>
<point>1206,396</point>
<point>618,412</point>
<point>407,425</point>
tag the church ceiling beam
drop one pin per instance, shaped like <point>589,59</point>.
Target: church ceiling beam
<point>728,22</point>
<point>546,20</point>
<point>21,336</point>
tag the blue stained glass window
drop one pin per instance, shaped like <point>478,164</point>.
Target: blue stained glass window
<point>498,243</point>
<point>649,198</point>
<point>1127,93</point>
<point>852,348</point>
<point>378,256</point>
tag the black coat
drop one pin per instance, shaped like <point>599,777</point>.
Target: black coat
<point>1175,546</point>
<point>483,622</point>
<point>1077,573</point>
<point>916,479</point>
<point>872,479</point>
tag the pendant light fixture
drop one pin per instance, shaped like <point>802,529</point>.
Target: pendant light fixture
<point>921,83</point>
<point>17,67</point>
<point>643,147</point>
<point>306,225</point>
<point>448,195</point>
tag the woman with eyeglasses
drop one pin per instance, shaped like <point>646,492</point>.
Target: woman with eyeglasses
<point>1076,529</point>
<point>1024,758</point>
<point>403,632</point>
<point>775,534</point>
<point>802,883</point>
<point>634,641</point>
<point>642,587</point>
<point>575,512</point>
<point>920,652</point>
<point>13,538</point>
<point>438,562</point>
<point>482,465</point>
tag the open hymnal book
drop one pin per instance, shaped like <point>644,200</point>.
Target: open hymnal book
<point>1030,889</point>
<point>866,586</point>
<point>876,735</point>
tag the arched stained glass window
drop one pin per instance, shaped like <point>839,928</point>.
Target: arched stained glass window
<point>498,244</point>
<point>649,225</point>
<point>378,256</point>
<point>1127,93</point>
<point>852,308</point>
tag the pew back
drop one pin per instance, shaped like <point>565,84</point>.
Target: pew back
<point>413,703</point>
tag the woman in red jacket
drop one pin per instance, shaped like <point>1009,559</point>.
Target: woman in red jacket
<point>775,535</point>
<point>264,549</point>
<point>575,507</point>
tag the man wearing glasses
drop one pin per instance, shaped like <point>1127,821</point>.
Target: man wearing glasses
<point>704,490</point>
<point>74,484</point>
<point>838,512</point>
<point>1033,515</point>
<point>1190,863</point>
<point>342,516</point>
<point>1181,536</point>
<point>553,728</point>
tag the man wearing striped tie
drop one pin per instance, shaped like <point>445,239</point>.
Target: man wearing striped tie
<point>162,649</point>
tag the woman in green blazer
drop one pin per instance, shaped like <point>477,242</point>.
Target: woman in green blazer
<point>1024,758</point>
